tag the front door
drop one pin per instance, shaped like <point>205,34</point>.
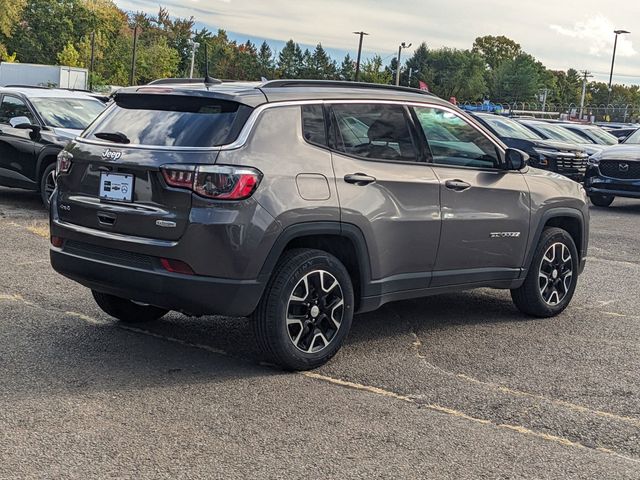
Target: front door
<point>17,149</point>
<point>485,209</point>
<point>387,190</point>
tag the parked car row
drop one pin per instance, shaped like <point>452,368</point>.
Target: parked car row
<point>609,166</point>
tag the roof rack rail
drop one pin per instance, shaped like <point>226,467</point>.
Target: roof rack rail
<point>16,85</point>
<point>340,84</point>
<point>171,81</point>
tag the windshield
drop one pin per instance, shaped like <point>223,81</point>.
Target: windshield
<point>556,132</point>
<point>73,113</point>
<point>603,137</point>
<point>506,127</point>
<point>634,138</point>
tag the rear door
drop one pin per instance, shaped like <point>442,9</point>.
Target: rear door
<point>387,190</point>
<point>116,181</point>
<point>485,209</point>
<point>17,148</point>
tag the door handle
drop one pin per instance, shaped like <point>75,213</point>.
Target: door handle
<point>457,185</point>
<point>360,179</point>
<point>106,219</point>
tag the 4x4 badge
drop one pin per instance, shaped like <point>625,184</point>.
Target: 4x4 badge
<point>111,155</point>
<point>505,234</point>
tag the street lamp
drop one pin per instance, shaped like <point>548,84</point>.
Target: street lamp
<point>361,34</point>
<point>613,60</point>
<point>402,45</point>
<point>193,46</point>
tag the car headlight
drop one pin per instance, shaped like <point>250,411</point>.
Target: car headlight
<point>544,155</point>
<point>594,159</point>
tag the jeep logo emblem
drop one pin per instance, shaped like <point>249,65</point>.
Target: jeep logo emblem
<point>623,167</point>
<point>111,155</point>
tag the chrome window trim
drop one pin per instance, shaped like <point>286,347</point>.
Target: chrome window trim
<point>248,127</point>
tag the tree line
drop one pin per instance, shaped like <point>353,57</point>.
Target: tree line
<point>63,32</point>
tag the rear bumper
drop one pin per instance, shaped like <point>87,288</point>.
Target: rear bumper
<point>191,294</point>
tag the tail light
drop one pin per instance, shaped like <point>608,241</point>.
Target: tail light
<point>63,164</point>
<point>218,182</point>
<point>176,266</point>
<point>56,241</point>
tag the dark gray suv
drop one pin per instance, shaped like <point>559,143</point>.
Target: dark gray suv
<point>301,203</point>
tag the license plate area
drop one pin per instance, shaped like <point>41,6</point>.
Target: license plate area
<point>116,187</point>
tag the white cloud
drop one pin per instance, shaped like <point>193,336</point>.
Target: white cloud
<point>597,32</point>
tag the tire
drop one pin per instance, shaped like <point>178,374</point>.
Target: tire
<point>127,311</point>
<point>47,184</point>
<point>309,293</point>
<point>536,296</point>
<point>601,200</point>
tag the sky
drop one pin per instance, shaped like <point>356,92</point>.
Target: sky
<point>561,34</point>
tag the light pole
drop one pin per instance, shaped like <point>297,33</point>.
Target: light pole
<point>193,46</point>
<point>361,34</point>
<point>132,75</point>
<point>613,60</point>
<point>402,45</point>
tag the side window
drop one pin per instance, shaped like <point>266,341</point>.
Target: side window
<point>313,126</point>
<point>454,142</point>
<point>14,107</point>
<point>375,131</point>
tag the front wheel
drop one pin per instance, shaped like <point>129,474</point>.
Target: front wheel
<point>601,200</point>
<point>306,310</point>
<point>127,311</point>
<point>552,277</point>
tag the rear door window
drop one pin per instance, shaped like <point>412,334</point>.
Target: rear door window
<point>375,131</point>
<point>170,121</point>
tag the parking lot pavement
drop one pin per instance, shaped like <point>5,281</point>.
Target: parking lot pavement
<point>454,386</point>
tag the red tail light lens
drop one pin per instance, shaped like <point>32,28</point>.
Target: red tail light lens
<point>56,241</point>
<point>176,266</point>
<point>226,183</point>
<point>219,182</point>
<point>178,177</point>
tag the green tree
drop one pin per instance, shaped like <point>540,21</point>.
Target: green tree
<point>517,80</point>
<point>266,65</point>
<point>69,56</point>
<point>156,60</point>
<point>372,71</point>
<point>496,50</point>
<point>418,63</point>
<point>290,61</point>
<point>320,66</point>
<point>10,14</point>
<point>347,69</point>
<point>456,73</point>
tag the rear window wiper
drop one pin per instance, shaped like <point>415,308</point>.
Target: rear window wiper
<point>116,137</point>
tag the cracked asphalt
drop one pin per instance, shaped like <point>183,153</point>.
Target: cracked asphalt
<point>454,386</point>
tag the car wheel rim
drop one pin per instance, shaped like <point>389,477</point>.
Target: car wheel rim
<point>315,311</point>
<point>50,184</point>
<point>555,274</point>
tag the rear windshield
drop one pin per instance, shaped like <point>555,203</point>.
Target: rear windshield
<point>170,120</point>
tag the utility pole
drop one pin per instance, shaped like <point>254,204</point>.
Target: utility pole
<point>585,74</point>
<point>361,34</point>
<point>132,75</point>
<point>93,50</point>
<point>402,45</point>
<point>613,60</point>
<point>194,45</point>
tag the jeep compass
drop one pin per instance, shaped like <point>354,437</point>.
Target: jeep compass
<point>300,203</point>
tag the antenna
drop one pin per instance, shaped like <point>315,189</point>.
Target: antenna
<point>207,79</point>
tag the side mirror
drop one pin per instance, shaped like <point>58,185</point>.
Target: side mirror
<point>622,139</point>
<point>20,122</point>
<point>516,159</point>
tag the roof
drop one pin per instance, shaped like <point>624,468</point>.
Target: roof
<point>257,93</point>
<point>42,92</point>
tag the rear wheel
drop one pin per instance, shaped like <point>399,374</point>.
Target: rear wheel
<point>601,200</point>
<point>127,311</point>
<point>552,277</point>
<point>48,184</point>
<point>306,310</point>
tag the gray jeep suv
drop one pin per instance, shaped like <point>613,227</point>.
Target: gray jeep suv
<point>300,203</point>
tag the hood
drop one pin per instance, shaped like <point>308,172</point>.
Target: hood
<point>544,144</point>
<point>591,148</point>
<point>629,153</point>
